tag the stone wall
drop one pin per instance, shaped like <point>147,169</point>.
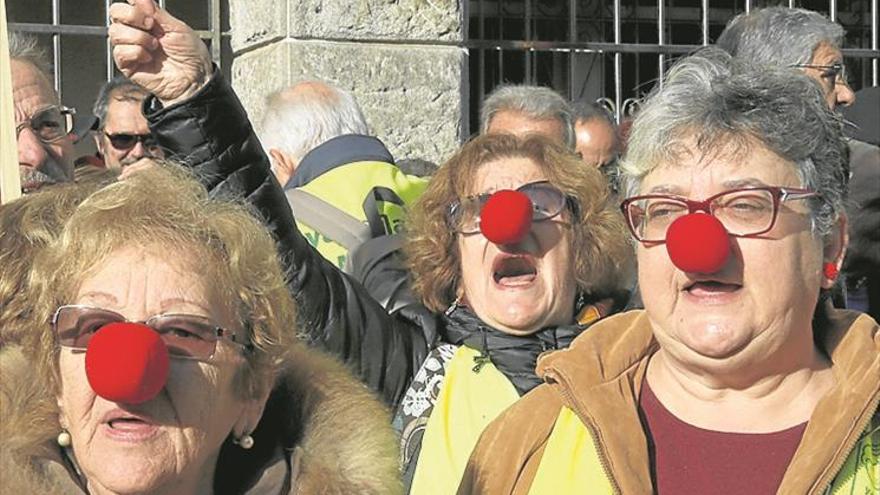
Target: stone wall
<point>399,58</point>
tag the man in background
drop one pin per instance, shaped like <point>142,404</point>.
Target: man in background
<point>595,134</point>
<point>122,134</point>
<point>521,110</point>
<point>42,124</point>
<point>342,183</point>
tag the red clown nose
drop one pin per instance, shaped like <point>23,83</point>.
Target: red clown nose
<point>697,243</point>
<point>127,362</point>
<point>506,217</point>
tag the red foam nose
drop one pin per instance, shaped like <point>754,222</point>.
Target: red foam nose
<point>698,243</point>
<point>127,362</point>
<point>506,217</point>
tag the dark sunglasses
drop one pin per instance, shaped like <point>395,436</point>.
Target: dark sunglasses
<point>124,142</point>
<point>186,336</point>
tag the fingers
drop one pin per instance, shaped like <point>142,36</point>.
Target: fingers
<point>142,164</point>
<point>121,34</point>
<point>129,57</point>
<point>130,15</point>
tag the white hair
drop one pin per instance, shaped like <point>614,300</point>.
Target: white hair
<point>303,116</point>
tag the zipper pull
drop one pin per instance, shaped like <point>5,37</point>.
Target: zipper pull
<point>480,361</point>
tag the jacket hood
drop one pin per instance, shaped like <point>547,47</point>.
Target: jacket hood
<point>338,436</point>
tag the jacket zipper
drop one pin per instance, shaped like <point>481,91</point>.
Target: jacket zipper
<point>553,377</point>
<point>825,483</point>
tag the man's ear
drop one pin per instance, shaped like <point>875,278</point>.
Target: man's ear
<point>834,249</point>
<point>283,166</point>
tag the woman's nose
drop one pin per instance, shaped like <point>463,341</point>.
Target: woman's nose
<point>506,217</point>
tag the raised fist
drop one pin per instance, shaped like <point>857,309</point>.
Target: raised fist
<point>157,51</point>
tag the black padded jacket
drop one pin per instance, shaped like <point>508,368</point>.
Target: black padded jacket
<point>210,133</point>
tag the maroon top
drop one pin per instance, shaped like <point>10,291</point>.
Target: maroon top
<point>689,460</point>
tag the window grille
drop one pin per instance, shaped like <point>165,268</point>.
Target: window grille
<point>614,50</point>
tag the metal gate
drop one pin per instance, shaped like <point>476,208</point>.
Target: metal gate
<point>614,50</point>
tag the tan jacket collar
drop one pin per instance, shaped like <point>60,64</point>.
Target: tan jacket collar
<point>600,375</point>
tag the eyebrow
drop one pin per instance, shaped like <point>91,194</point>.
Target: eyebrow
<point>730,184</point>
<point>110,299</point>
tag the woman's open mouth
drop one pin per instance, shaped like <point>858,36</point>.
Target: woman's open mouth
<point>514,270</point>
<point>129,428</point>
<point>711,290</point>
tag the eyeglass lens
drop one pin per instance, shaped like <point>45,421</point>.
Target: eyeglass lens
<point>547,202</point>
<point>51,123</point>
<point>188,336</point>
<point>128,141</point>
<point>741,212</point>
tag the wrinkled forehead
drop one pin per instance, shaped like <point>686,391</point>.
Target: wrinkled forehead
<point>31,89</point>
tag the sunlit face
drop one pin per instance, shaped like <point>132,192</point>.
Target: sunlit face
<point>763,297</point>
<point>170,443</point>
<point>596,141</point>
<point>124,116</point>
<point>39,163</point>
<point>521,125</point>
<point>518,288</point>
<point>836,91</point>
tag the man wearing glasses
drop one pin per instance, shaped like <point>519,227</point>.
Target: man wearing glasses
<point>42,125</point>
<point>807,41</point>
<point>123,135</point>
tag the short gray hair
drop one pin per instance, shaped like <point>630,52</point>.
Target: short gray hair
<point>723,101</point>
<point>119,88</point>
<point>26,48</point>
<point>297,122</point>
<point>537,102</point>
<point>778,35</point>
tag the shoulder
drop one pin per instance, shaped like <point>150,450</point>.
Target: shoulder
<point>510,449</point>
<point>344,432</point>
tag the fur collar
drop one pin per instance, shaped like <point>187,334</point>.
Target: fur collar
<point>323,422</point>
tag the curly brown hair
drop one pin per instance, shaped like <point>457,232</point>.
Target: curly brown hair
<point>603,254</point>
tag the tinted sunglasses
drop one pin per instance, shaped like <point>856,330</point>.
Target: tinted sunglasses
<point>186,336</point>
<point>123,142</point>
<point>547,202</point>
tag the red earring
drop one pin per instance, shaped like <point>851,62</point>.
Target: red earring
<point>830,270</point>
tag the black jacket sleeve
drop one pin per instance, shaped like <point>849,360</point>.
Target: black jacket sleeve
<point>211,134</point>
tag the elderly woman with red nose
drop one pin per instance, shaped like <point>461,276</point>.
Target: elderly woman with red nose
<point>514,250</point>
<point>166,366</point>
<point>737,377</point>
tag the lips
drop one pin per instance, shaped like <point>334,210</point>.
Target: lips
<point>129,427</point>
<point>514,270</point>
<point>711,288</point>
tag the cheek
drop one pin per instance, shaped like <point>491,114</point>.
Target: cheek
<point>77,396</point>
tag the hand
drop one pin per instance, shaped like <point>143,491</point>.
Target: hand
<point>157,51</point>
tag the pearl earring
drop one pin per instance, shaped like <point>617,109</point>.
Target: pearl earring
<point>246,442</point>
<point>64,439</point>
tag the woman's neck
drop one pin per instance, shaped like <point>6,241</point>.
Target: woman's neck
<point>775,394</point>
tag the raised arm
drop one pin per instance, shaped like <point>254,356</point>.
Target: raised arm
<point>196,117</point>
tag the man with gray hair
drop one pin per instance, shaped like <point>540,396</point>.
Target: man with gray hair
<point>42,124</point>
<point>342,184</point>
<point>596,134</point>
<point>522,110</point>
<point>122,135</point>
<point>806,40</point>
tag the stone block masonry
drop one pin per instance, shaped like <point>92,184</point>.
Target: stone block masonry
<point>399,58</point>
